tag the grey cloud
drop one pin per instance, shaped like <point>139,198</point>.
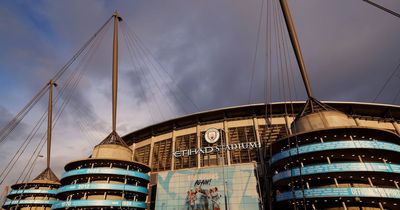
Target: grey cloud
<point>206,46</point>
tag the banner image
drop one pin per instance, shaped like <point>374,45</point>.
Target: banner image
<point>212,188</point>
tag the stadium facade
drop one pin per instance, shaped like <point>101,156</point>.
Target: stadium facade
<point>298,155</point>
<point>348,157</point>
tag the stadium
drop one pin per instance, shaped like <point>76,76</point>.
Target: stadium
<point>287,155</point>
<point>238,172</point>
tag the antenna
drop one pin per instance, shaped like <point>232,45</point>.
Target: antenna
<point>296,45</point>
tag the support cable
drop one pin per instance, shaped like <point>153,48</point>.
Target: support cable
<point>142,46</point>
<point>5,131</point>
<point>79,52</point>
<point>140,64</point>
<point>9,127</point>
<point>253,69</point>
<point>383,8</point>
<point>287,65</point>
<point>392,75</point>
<point>156,74</point>
<point>10,165</point>
<point>279,67</point>
<point>18,154</point>
<point>146,61</point>
<point>133,63</point>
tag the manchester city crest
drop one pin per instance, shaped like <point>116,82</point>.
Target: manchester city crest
<point>212,135</point>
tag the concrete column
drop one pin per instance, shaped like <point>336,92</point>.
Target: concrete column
<point>396,127</point>
<point>133,147</point>
<point>227,141</point>
<point>173,149</point>
<point>257,133</point>
<point>151,151</point>
<point>289,127</point>
<point>357,121</point>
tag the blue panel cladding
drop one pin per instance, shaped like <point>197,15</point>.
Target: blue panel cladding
<point>29,202</point>
<point>338,167</point>
<point>340,192</point>
<point>103,186</point>
<point>99,203</point>
<point>378,145</point>
<point>108,171</point>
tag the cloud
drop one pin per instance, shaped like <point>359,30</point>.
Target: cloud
<point>200,49</point>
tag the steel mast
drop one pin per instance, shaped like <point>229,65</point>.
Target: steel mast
<point>115,71</point>
<point>50,120</point>
<point>296,46</point>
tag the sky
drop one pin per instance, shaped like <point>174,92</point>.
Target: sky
<point>201,52</point>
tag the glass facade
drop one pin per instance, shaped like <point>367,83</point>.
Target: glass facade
<point>205,188</point>
<point>212,159</point>
<point>142,154</point>
<point>271,134</point>
<point>242,135</point>
<point>183,143</point>
<point>162,153</point>
<point>161,157</point>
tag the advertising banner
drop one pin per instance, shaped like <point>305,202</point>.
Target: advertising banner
<point>212,188</point>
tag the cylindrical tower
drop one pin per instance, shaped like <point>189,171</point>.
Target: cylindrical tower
<point>39,194</point>
<point>107,179</point>
<point>331,165</point>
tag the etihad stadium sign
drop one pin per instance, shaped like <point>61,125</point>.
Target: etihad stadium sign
<point>212,135</point>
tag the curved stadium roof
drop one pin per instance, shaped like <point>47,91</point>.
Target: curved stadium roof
<point>373,110</point>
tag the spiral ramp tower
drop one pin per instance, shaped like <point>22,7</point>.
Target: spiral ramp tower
<point>108,179</point>
<point>39,194</point>
<point>329,163</point>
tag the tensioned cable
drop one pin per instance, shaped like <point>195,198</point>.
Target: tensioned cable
<point>279,67</point>
<point>287,58</point>
<point>9,127</point>
<point>69,63</point>
<point>387,82</point>
<point>146,62</point>
<point>383,8</point>
<point>5,131</point>
<point>253,69</point>
<point>75,80</point>
<point>34,131</point>
<point>284,53</point>
<point>145,49</point>
<point>396,97</point>
<point>140,65</point>
<point>268,55</point>
<point>135,66</point>
<point>142,45</point>
<point>72,80</point>
<point>7,169</point>
<point>34,157</point>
